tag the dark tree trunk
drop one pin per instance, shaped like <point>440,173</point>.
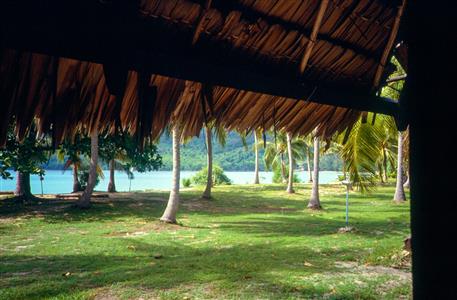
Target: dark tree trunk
<point>381,175</point>
<point>111,184</point>
<point>256,151</point>
<point>314,202</point>
<point>399,191</point>
<point>290,183</point>
<point>84,200</point>
<point>76,185</point>
<point>23,192</point>
<point>209,157</point>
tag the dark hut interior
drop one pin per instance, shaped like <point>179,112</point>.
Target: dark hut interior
<point>295,65</point>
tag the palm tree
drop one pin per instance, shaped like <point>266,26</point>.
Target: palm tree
<point>274,155</point>
<point>169,215</point>
<point>290,187</point>
<point>84,200</point>
<point>406,157</point>
<point>256,152</point>
<point>399,191</point>
<point>366,147</point>
<point>70,153</point>
<point>221,136</point>
<point>314,201</point>
<point>275,152</point>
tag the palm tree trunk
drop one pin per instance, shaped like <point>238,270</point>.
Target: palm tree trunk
<point>283,168</point>
<point>314,202</point>
<point>399,191</point>
<point>381,176</point>
<point>111,184</point>
<point>384,165</point>
<point>23,190</point>
<point>169,215</point>
<point>209,156</point>
<point>308,162</point>
<point>76,185</point>
<point>256,152</point>
<point>406,184</point>
<point>84,200</point>
<point>290,184</point>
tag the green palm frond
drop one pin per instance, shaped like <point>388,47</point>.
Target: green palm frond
<point>361,153</point>
<point>221,135</point>
<point>100,172</point>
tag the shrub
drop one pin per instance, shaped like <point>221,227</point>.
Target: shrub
<point>83,177</point>
<point>186,182</point>
<point>277,176</point>
<point>219,177</point>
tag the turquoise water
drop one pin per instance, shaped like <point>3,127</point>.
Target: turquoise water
<point>62,182</point>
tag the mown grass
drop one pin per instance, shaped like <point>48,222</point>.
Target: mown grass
<point>249,242</point>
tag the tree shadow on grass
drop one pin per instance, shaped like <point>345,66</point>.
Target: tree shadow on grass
<point>277,226</point>
<point>62,275</point>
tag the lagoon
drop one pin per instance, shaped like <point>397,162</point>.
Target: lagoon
<point>56,181</point>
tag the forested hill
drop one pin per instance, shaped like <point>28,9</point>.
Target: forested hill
<point>233,157</point>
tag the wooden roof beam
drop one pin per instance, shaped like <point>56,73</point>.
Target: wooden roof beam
<point>389,46</point>
<point>313,37</point>
<point>199,27</point>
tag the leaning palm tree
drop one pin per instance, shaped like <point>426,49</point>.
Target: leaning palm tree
<point>169,215</point>
<point>314,201</point>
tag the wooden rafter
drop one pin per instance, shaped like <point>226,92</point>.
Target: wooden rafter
<point>396,78</point>
<point>199,27</point>
<point>389,45</point>
<point>313,37</point>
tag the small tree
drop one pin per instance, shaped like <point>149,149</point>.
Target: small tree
<point>122,152</point>
<point>218,176</point>
<point>24,158</point>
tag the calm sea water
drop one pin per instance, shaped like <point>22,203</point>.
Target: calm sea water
<point>62,182</point>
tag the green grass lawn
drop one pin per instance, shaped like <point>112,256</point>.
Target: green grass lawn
<point>250,242</point>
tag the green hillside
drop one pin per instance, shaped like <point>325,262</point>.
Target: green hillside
<point>233,157</point>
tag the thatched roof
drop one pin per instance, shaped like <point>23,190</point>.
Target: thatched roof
<point>248,64</point>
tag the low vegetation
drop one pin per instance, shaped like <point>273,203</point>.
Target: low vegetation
<point>253,241</point>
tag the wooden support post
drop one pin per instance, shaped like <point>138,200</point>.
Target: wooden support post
<point>389,46</point>
<point>430,104</point>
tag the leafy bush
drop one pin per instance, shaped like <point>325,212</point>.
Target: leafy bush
<point>277,176</point>
<point>186,182</point>
<point>83,177</point>
<point>83,174</point>
<point>219,177</point>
